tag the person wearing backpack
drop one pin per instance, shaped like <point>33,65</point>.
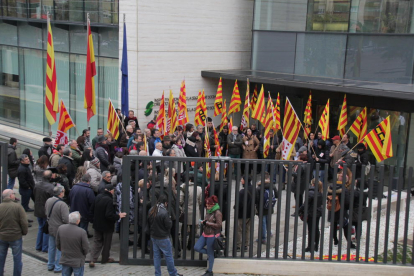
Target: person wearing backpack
<point>268,204</point>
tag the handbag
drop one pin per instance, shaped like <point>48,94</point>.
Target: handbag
<point>45,227</point>
<point>219,243</point>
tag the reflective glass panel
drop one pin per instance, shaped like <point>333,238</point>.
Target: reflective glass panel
<point>35,9</point>
<point>8,34</point>
<point>108,11</point>
<point>328,15</point>
<point>78,40</point>
<point>62,10</point>
<point>76,10</point>
<point>92,7</point>
<point>30,36</point>
<point>108,40</point>
<point>9,85</point>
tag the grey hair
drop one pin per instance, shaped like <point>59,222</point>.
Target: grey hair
<point>47,174</point>
<point>6,194</point>
<point>66,151</point>
<point>200,126</point>
<point>86,178</point>
<point>128,127</point>
<point>105,173</point>
<point>71,142</point>
<point>74,217</point>
<point>133,152</point>
<point>58,189</point>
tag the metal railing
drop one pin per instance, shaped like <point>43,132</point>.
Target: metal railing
<point>381,222</point>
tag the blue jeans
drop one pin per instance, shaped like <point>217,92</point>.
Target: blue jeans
<point>200,247</point>
<point>321,175</point>
<point>165,247</point>
<point>26,194</point>
<point>16,247</point>
<point>77,271</point>
<point>264,228</point>
<point>54,255</point>
<point>10,183</point>
<point>42,241</point>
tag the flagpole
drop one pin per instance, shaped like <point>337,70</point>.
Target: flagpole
<point>87,38</point>
<point>50,126</point>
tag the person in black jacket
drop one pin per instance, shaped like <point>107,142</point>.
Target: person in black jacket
<point>47,148</point>
<point>190,147</point>
<point>247,187</point>
<point>299,177</point>
<point>314,197</point>
<point>355,209</point>
<point>102,153</point>
<point>26,181</point>
<point>12,163</point>
<point>160,224</point>
<point>321,156</point>
<point>104,225</point>
<point>362,159</point>
<point>223,140</point>
<point>70,165</point>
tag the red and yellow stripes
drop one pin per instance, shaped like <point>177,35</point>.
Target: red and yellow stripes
<point>268,127</point>
<point>51,97</point>
<point>218,103</point>
<point>161,116</point>
<point>359,127</point>
<point>172,122</point>
<point>182,106</point>
<point>276,111</point>
<point>291,123</point>
<point>224,119</point>
<point>65,121</point>
<point>201,110</point>
<point>90,101</point>
<point>258,112</point>
<point>246,110</point>
<point>343,118</point>
<point>113,121</point>
<point>254,98</point>
<point>307,118</point>
<point>324,122</point>
<point>216,142</point>
<point>379,140</point>
<point>235,100</point>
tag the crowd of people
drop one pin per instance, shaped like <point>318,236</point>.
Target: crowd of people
<point>80,183</point>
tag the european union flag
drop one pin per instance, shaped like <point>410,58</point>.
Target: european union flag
<point>124,69</point>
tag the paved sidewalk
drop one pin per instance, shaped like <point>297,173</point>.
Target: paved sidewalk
<point>32,266</point>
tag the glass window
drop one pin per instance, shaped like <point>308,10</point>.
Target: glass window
<point>9,85</point>
<point>76,10</point>
<point>62,10</point>
<point>381,16</point>
<point>78,40</point>
<point>320,55</point>
<point>60,38</point>
<point>108,11</point>
<point>92,7</point>
<point>16,8</point>
<point>30,36</point>
<point>8,34</point>
<point>280,15</point>
<point>35,9</point>
<point>274,52</point>
<point>47,7</point>
<point>328,15</point>
<point>108,42</point>
<point>379,58</point>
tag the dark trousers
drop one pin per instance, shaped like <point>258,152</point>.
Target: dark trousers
<point>344,227</point>
<point>101,242</point>
<point>25,194</point>
<point>317,233</point>
<point>190,243</point>
<point>298,199</point>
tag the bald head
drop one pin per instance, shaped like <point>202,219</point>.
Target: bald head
<point>142,153</point>
<point>8,193</point>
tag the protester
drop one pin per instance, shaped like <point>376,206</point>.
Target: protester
<point>153,140</point>
<point>81,143</point>
<point>61,178</point>
<point>41,165</point>
<point>106,179</point>
<point>79,173</point>
<point>269,200</point>
<point>247,185</point>
<point>13,225</point>
<point>361,160</point>
<point>190,147</point>
<point>29,154</point>
<point>158,150</point>
<point>131,117</point>
<point>47,148</point>
<point>99,132</point>
<point>76,153</point>
<point>321,157</point>
<point>223,140</point>
<point>123,142</point>
<point>26,182</point>
<point>335,153</point>
<point>235,143</point>
<point>250,147</point>
<point>56,156</point>
<point>12,162</point>
<point>95,172</point>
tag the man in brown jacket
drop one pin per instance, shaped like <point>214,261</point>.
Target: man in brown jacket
<point>13,225</point>
<point>73,242</point>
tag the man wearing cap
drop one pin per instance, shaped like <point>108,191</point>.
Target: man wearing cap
<point>47,148</point>
<point>95,172</point>
<point>103,223</point>
<point>335,153</point>
<point>26,181</point>
<point>102,153</point>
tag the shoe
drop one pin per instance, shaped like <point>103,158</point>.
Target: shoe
<point>91,264</point>
<point>29,210</point>
<point>51,269</point>
<point>130,243</point>
<point>293,215</point>
<point>90,236</point>
<point>316,248</point>
<point>60,271</point>
<point>110,260</point>
<point>208,273</point>
<point>246,249</point>
<point>29,225</point>
<point>307,249</point>
<point>29,221</point>
<point>294,206</point>
<point>238,249</point>
<point>353,246</point>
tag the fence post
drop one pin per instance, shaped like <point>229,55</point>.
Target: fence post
<point>124,231</point>
<point>4,166</point>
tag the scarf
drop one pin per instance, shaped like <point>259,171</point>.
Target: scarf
<point>213,209</point>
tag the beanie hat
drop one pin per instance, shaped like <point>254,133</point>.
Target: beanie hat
<point>95,161</point>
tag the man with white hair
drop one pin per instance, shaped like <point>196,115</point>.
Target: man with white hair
<point>13,224</point>
<point>72,241</point>
<point>125,137</point>
<point>57,212</point>
<point>235,143</point>
<point>158,149</point>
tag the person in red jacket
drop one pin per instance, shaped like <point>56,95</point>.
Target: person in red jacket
<point>131,117</point>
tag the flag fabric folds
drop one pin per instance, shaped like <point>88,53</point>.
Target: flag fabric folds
<point>254,98</point>
<point>218,103</point>
<point>90,101</point>
<point>276,116</point>
<point>258,112</point>
<point>124,70</point>
<point>113,121</point>
<point>268,127</point>
<point>161,117</point>
<point>65,123</point>
<point>324,122</point>
<point>51,97</point>
<point>246,110</point>
<point>216,142</point>
<point>172,122</point>
<point>235,100</point>
<point>359,127</point>
<point>291,127</point>
<point>207,149</point>
<point>231,124</point>
<point>379,140</point>
<point>182,106</point>
<point>224,119</point>
<point>201,110</point>
<point>307,116</point>
<point>343,118</point>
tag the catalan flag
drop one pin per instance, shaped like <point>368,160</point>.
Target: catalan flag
<point>276,111</point>
<point>51,99</point>
<point>216,142</point>
<point>161,117</point>
<point>324,122</point>
<point>182,106</point>
<point>343,118</point>
<point>218,103</point>
<point>201,110</point>
<point>268,127</point>
<point>207,149</point>
<point>172,122</point>
<point>235,100</point>
<point>254,98</point>
<point>359,127</point>
<point>113,121</point>
<point>231,124</point>
<point>291,127</point>
<point>259,111</point>
<point>90,101</point>
<point>65,123</point>
<point>224,118</point>
<point>307,116</point>
<point>246,111</point>
<point>379,140</point>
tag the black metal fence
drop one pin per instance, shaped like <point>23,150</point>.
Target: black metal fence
<point>372,223</point>
<point>3,165</point>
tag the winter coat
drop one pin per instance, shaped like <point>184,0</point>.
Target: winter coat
<point>214,221</point>
<point>223,143</point>
<point>272,152</point>
<point>272,191</point>
<point>13,221</point>
<point>200,180</point>
<point>180,153</point>
<point>12,161</point>
<point>190,148</point>
<point>151,144</point>
<point>124,139</point>
<point>104,213</point>
<point>58,216</point>
<point>118,196</point>
<point>38,174</point>
<point>45,150</point>
<point>25,177</point>
<point>250,147</point>
<point>339,191</point>
<point>224,204</point>
<point>54,159</point>
<point>190,209</point>
<point>143,209</point>
<point>314,197</point>
<point>73,242</point>
<point>160,225</point>
<point>118,167</point>
<point>250,201</point>
<point>235,147</point>
<point>127,119</point>
<point>81,199</point>
<point>323,156</point>
<point>362,159</point>
<point>103,157</point>
<point>42,192</point>
<point>76,156</point>
<point>299,176</point>
<point>157,192</point>
<point>96,177</point>
<point>200,147</point>
<point>101,186</point>
<point>336,153</point>
<point>71,169</point>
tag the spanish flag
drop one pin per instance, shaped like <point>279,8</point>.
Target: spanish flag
<point>379,140</point>
<point>52,99</point>
<point>90,102</point>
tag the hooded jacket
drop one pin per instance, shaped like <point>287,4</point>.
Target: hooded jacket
<point>190,147</point>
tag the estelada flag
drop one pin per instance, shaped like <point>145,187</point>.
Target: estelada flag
<point>379,140</point>
<point>113,121</point>
<point>291,127</point>
<point>343,118</point>
<point>254,98</point>
<point>172,122</point>
<point>218,103</point>
<point>201,110</point>
<point>258,112</point>
<point>276,116</point>
<point>51,97</point>
<point>359,127</point>
<point>324,122</point>
<point>307,118</point>
<point>224,119</point>
<point>89,101</point>
<point>161,117</point>
<point>268,127</point>
<point>235,100</point>
<point>246,110</point>
<point>182,106</point>
<point>65,123</point>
